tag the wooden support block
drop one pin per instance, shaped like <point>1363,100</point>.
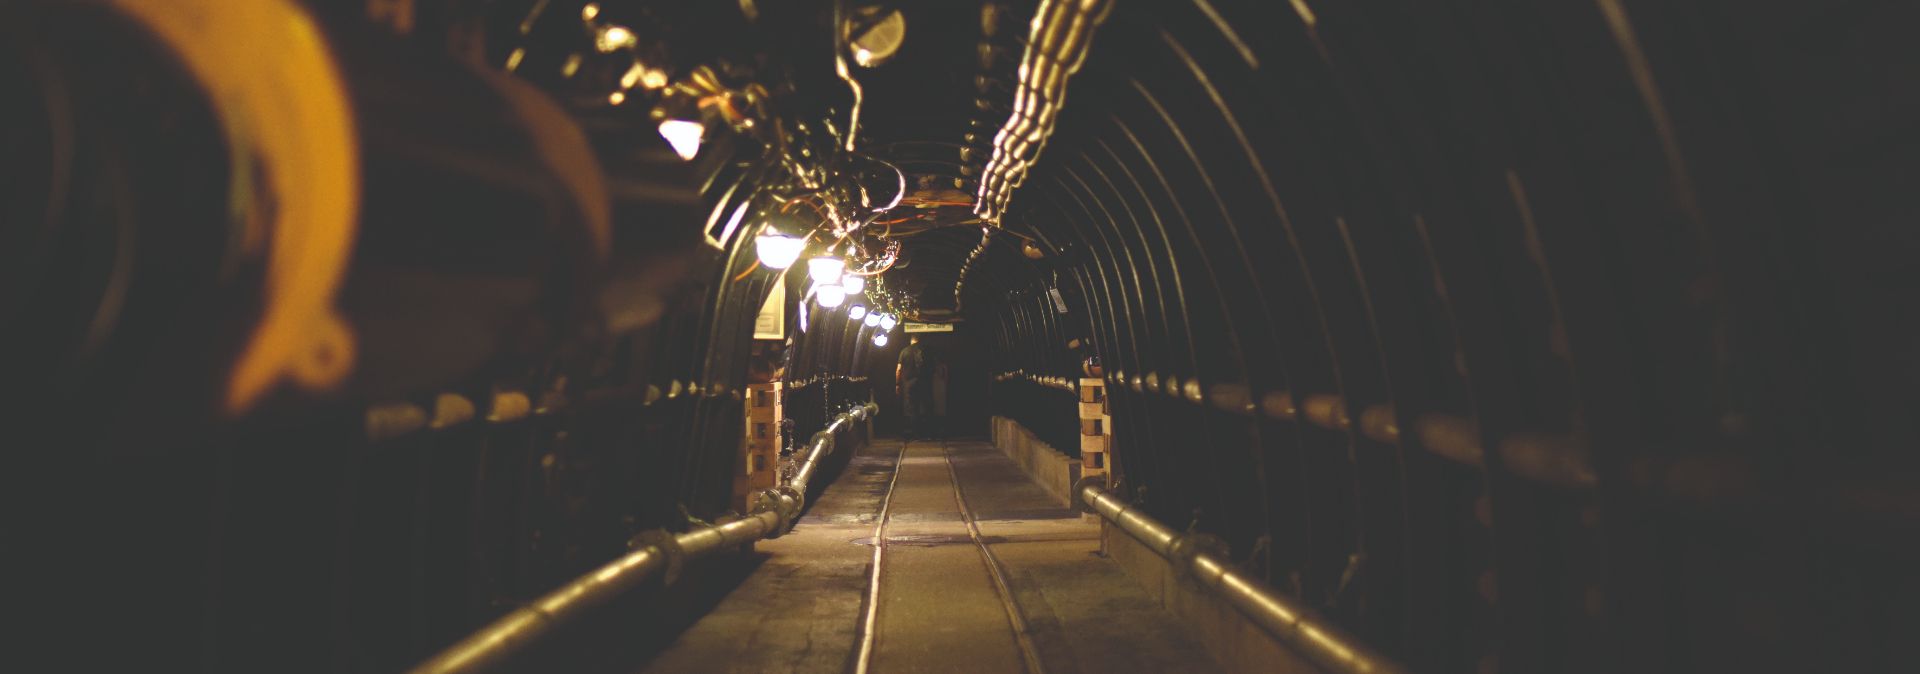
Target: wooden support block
<point>1094,426</point>
<point>1094,463</point>
<point>759,463</point>
<point>1093,410</point>
<point>1094,443</point>
<point>1093,390</point>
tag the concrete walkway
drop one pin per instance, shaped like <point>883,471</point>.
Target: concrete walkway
<point>941,606</point>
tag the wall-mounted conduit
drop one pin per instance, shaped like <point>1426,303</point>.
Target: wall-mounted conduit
<point>1061,32</point>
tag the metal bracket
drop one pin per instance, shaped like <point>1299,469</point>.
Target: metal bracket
<point>665,542</point>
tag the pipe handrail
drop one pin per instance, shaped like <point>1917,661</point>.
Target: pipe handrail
<point>1283,617</point>
<point>774,513</point>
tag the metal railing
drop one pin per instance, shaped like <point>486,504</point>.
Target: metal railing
<point>1203,558</point>
<point>774,513</point>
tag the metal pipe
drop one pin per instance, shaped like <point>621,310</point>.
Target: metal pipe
<point>1281,616</point>
<point>774,513</point>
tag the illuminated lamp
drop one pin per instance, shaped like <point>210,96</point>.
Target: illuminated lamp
<point>830,295</point>
<point>684,136</point>
<point>778,251</point>
<point>826,270</point>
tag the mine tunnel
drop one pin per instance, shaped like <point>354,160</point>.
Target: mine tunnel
<point>1342,336</point>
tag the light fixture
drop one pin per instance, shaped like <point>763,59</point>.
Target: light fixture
<point>880,339</point>
<point>617,97</point>
<point>856,311</point>
<point>588,12</point>
<point>684,136</point>
<point>825,270</point>
<point>873,319</point>
<point>830,295</point>
<point>888,321</point>
<point>853,284</point>
<point>778,251</point>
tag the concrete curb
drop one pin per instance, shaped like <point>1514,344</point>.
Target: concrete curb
<point>1056,472</point>
<point>1235,643</point>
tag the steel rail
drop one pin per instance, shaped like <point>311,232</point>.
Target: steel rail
<point>774,513</point>
<point>1197,556</point>
<point>1022,631</point>
<point>870,616</point>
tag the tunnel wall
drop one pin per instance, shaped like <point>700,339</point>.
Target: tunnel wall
<point>1519,336</point>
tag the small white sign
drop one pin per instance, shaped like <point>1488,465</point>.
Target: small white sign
<point>772,321</point>
<point>929,327</point>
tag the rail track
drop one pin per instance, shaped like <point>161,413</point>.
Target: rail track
<point>870,631</point>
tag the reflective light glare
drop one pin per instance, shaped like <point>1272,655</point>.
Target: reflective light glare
<point>830,295</point>
<point>856,311</point>
<point>880,339</point>
<point>588,12</point>
<point>684,136</point>
<point>778,251</point>
<point>825,270</point>
<point>617,97</point>
<point>853,284</point>
<point>887,322</point>
<point>614,37</point>
<point>653,78</point>
<point>873,319</point>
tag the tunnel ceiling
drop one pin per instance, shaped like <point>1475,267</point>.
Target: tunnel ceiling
<point>932,111</point>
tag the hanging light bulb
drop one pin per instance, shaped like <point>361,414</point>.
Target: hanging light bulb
<point>830,295</point>
<point>778,251</point>
<point>888,321</point>
<point>856,311</point>
<point>684,136</point>
<point>853,284</point>
<point>826,270</point>
<point>880,339</point>
<point>873,319</point>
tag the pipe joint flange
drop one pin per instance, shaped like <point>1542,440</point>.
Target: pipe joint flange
<point>765,500</point>
<point>787,501</point>
<point>1189,546</point>
<point>823,437</point>
<point>1080,501</point>
<point>778,501</point>
<point>673,558</point>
